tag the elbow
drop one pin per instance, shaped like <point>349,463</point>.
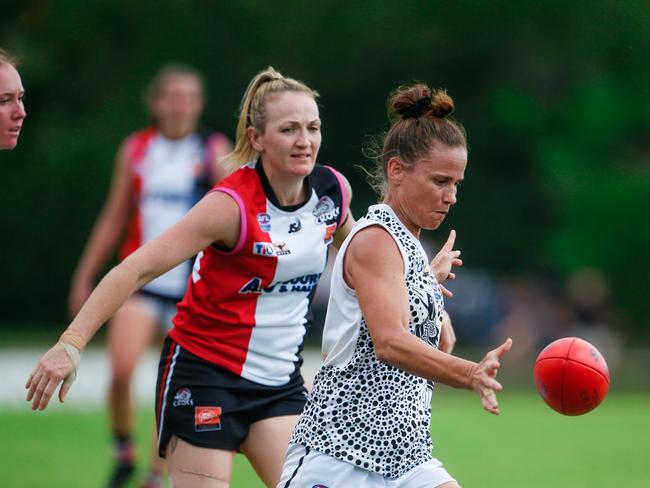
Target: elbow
<point>387,350</point>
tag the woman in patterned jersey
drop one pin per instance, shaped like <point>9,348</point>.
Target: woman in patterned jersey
<point>367,421</point>
<point>12,109</point>
<point>159,173</point>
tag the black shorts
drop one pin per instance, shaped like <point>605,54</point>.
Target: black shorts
<point>208,406</point>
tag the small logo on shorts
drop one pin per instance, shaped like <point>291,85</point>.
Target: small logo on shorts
<point>207,419</point>
<point>183,398</point>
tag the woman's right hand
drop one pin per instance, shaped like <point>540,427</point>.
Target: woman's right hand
<point>57,365</point>
<point>483,377</point>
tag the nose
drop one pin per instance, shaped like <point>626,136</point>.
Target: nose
<point>303,138</point>
<point>450,195</point>
<point>19,112</point>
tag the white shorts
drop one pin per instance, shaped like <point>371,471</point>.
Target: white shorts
<point>160,307</point>
<point>306,468</point>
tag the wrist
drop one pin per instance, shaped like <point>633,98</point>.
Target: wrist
<point>469,378</point>
<point>73,338</point>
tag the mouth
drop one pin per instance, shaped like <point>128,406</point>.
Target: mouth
<point>301,156</point>
<point>14,130</point>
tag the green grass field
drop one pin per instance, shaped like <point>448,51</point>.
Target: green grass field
<point>529,445</point>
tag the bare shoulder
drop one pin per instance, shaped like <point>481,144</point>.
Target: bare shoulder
<point>218,215</point>
<point>374,246</point>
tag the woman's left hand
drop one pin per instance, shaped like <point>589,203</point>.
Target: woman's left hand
<point>443,262</point>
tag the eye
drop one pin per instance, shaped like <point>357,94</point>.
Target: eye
<point>287,130</point>
<point>4,101</point>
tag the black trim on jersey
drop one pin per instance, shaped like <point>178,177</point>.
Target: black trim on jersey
<point>270,194</point>
<point>322,180</point>
<point>302,458</point>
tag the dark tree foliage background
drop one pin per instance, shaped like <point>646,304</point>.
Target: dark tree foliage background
<point>555,96</point>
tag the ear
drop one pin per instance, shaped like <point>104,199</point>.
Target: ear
<point>395,169</point>
<point>254,138</point>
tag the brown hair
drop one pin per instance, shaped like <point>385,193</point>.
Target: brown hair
<point>252,111</point>
<point>420,119</point>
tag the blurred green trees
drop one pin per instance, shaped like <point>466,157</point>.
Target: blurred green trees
<point>555,96</point>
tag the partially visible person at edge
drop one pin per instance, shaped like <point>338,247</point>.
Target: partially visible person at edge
<point>367,420</point>
<point>160,173</point>
<point>12,107</point>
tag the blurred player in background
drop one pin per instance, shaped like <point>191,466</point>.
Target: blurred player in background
<point>160,173</point>
<point>12,108</point>
<point>367,421</point>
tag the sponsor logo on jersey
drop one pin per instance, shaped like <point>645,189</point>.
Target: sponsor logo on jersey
<point>207,419</point>
<point>294,225</point>
<point>329,233</point>
<point>325,210</point>
<point>183,398</point>
<point>271,249</point>
<point>264,220</point>
<point>319,486</point>
<point>301,284</point>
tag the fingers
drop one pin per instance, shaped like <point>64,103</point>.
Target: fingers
<point>449,245</point>
<point>63,391</point>
<point>488,386</point>
<point>40,398</point>
<point>446,292</point>
<point>490,403</point>
<point>503,348</point>
<point>32,383</point>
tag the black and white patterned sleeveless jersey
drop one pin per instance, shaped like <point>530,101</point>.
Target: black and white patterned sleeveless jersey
<point>361,410</point>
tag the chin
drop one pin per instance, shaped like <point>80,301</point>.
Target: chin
<point>303,169</point>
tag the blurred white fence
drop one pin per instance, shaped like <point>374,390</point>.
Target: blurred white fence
<point>92,382</point>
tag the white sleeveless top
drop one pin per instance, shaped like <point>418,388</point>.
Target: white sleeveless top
<point>361,410</point>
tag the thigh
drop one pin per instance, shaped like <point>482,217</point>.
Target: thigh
<point>266,446</point>
<point>200,467</point>
<point>131,331</point>
<point>428,475</point>
<point>192,403</point>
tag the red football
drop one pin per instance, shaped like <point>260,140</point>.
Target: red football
<point>571,376</point>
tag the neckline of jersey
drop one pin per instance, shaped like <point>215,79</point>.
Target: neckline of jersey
<point>270,194</point>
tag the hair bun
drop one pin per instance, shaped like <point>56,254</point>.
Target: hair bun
<point>417,109</point>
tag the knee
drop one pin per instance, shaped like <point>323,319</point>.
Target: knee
<point>121,378</point>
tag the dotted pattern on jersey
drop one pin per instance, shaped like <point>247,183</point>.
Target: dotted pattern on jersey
<point>369,413</point>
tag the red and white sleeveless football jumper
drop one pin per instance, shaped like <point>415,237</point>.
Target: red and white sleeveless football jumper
<point>168,176</point>
<point>247,310</point>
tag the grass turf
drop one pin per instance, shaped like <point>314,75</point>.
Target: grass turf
<point>528,445</point>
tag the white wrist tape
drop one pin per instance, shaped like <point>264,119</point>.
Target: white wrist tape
<point>75,357</point>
